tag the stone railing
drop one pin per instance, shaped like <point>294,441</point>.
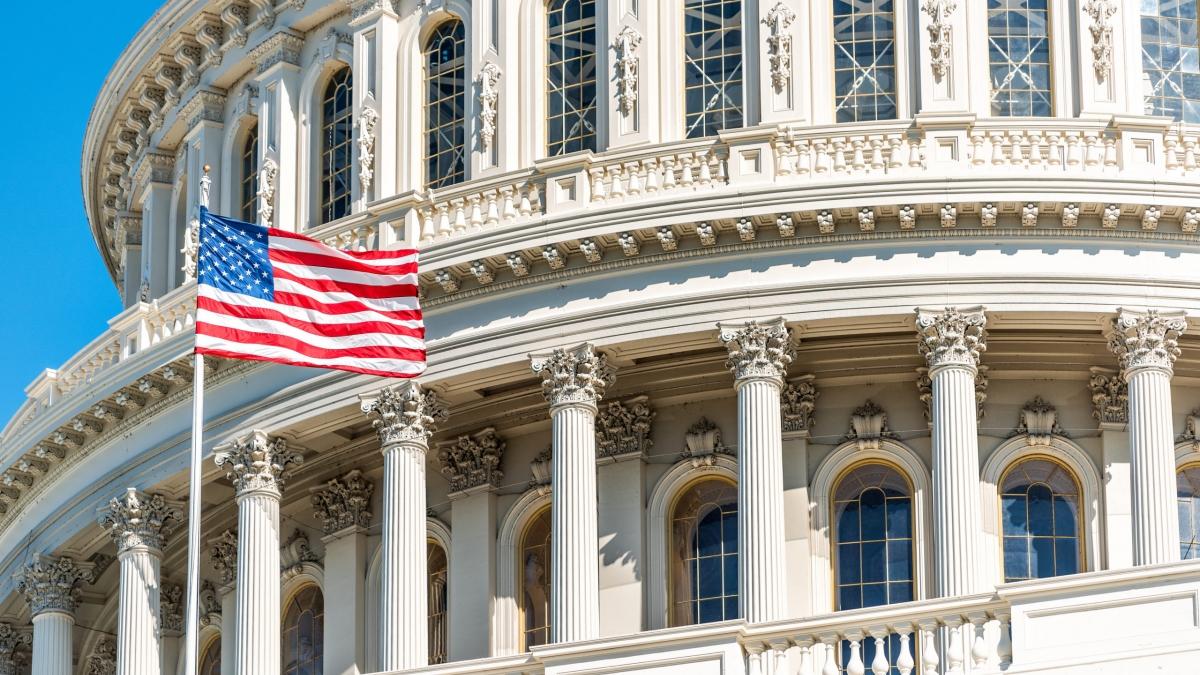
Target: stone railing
<point>481,204</point>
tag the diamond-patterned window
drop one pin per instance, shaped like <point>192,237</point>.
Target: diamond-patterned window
<point>445,98</point>
<point>1019,57</point>
<point>864,60</point>
<point>250,176</point>
<point>337,122</point>
<point>712,66</point>
<point>1171,59</point>
<point>570,76</point>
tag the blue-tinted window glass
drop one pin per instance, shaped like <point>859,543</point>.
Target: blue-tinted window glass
<point>1039,505</point>
<point>570,76</point>
<point>712,66</point>
<point>337,121</point>
<point>1188,492</point>
<point>704,578</point>
<point>873,520</point>
<point>445,105</point>
<point>864,71</point>
<point>1171,59</point>
<point>1019,57</point>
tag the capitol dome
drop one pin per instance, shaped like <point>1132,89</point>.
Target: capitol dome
<point>764,337</point>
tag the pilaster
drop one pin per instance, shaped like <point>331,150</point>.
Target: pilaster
<point>797,411</point>
<point>154,182</point>
<point>129,229</point>
<point>405,416</point>
<point>378,82</point>
<point>1110,402</point>
<point>343,507</point>
<point>11,641</point>
<point>277,59</point>
<point>51,588</point>
<point>942,55</point>
<point>171,614</point>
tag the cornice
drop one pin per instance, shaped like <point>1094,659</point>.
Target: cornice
<point>205,105</point>
<point>282,46</point>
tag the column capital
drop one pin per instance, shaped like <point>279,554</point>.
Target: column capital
<point>11,640</point>
<point>257,462</point>
<point>1145,339</point>
<point>363,12</point>
<point>798,403</point>
<point>223,554</point>
<point>623,429</point>
<point>137,519</point>
<point>171,609</point>
<point>951,336</point>
<point>344,502</point>
<point>1110,398</point>
<point>52,585</point>
<point>757,350</point>
<point>573,376</point>
<point>405,413</point>
<point>471,462</point>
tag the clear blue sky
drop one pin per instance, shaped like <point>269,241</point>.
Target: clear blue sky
<point>59,295</point>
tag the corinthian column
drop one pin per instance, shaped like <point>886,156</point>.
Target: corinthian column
<point>51,587</point>
<point>10,640</point>
<point>573,381</point>
<point>1146,345</point>
<point>405,417</point>
<point>951,341</point>
<point>258,465</point>
<point>759,354</point>
<point>139,524</point>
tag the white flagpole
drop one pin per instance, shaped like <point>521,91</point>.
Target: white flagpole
<point>192,628</point>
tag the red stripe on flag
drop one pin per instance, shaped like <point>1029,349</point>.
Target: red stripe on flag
<point>365,255</point>
<point>245,356</point>
<point>361,290</point>
<point>251,337</point>
<point>333,330</point>
<point>321,260</point>
<point>343,307</point>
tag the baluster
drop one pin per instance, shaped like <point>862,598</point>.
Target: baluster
<point>831,645</point>
<point>493,207</point>
<point>805,650</point>
<point>476,213</point>
<point>428,228</point>
<point>1004,643</point>
<point>879,664</point>
<point>599,192</point>
<point>1110,152</point>
<point>706,174</point>
<point>650,166</point>
<point>1054,141</point>
<point>635,178</point>
<point>839,155</point>
<point>998,158</point>
<point>929,655</point>
<point>668,164</point>
<point>688,176</point>
<point>877,153</point>
<point>1074,154</point>
<point>1189,154</point>
<point>1035,149</point>
<point>754,659</point>
<point>980,651</point>
<point>955,658</point>
<point>822,160</point>
<point>1091,155</point>
<point>855,665</point>
<point>858,162</point>
<point>443,228</point>
<point>904,660</point>
<point>1016,148</point>
<point>977,148</point>
<point>509,210</point>
<point>535,198</point>
<point>803,158</point>
<point>616,184</point>
<point>460,216</point>
<point>895,158</point>
<point>785,160</point>
<point>526,207</point>
<point>1171,148</point>
<point>914,153</point>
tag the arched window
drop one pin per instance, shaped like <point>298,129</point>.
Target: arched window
<point>337,134</point>
<point>570,76</point>
<point>1170,65</point>
<point>304,632</point>
<point>712,66</point>
<point>250,176</point>
<point>1040,519</point>
<point>704,553</point>
<point>445,101</point>
<point>436,560</point>
<point>864,60</point>
<point>1019,57</point>
<point>1188,491</point>
<point>210,659</point>
<point>535,581</point>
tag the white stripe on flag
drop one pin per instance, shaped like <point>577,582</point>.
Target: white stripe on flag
<point>283,354</point>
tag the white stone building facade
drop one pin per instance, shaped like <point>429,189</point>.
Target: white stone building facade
<point>779,336</point>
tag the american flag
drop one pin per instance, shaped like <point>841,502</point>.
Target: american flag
<point>269,295</point>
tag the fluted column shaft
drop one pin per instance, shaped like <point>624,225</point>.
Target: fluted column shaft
<point>1152,465</point>
<point>404,624</point>
<point>52,649</point>
<point>138,648</point>
<point>956,513</point>
<point>761,572</point>
<point>257,629</point>
<point>574,544</point>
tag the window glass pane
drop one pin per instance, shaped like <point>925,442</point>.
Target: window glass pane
<point>1019,57</point>
<point>337,118</point>
<point>249,201</point>
<point>1170,60</point>
<point>712,59</point>
<point>535,580</point>
<point>445,101</point>
<point>704,583</point>
<point>1188,493</point>
<point>437,599</point>
<point>873,545</point>
<point>303,637</point>
<point>570,76</point>
<point>1040,514</point>
<point>864,71</point>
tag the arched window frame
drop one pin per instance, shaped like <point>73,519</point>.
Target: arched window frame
<point>296,585</point>
<point>1080,537</point>
<point>247,162</point>
<point>426,35</point>
<point>312,91</point>
<point>706,477</point>
<point>210,646</point>
<point>1187,455</point>
<point>523,644</point>
<point>661,505</point>
<point>430,544</point>
<point>506,626</point>
<point>825,480</point>
<point>1066,453</point>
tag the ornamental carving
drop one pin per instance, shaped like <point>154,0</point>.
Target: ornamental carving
<point>52,585</point>
<point>473,461</point>
<point>282,47</point>
<point>489,100</point>
<point>1191,430</point>
<point>573,376</point>
<point>103,660</point>
<point>10,641</point>
<point>951,337</point>
<point>798,403</point>
<point>542,468</point>
<point>210,604</point>
<point>1039,420</point>
<point>1146,339</point>
<point>869,426</point>
<point>940,48</point>
<point>296,552</point>
<point>137,519</point>
<point>779,44</point>
<point>925,392</point>
<point>258,462</point>
<point>757,350</point>
<point>1110,396</point>
<point>702,443</point>
<point>1100,11</point>
<point>625,45</point>
<point>267,175</point>
<point>405,413</point>
<point>171,608</point>
<point>623,429</point>
<point>223,555</point>
<point>344,502</point>
<point>368,119</point>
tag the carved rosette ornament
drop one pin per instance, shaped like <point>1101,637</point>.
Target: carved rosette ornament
<point>940,47</point>
<point>951,337</point>
<point>473,461</point>
<point>10,641</point>
<point>1100,12</point>
<point>1146,340</point>
<point>758,350</point>
<point>344,502</point>
<point>258,462</point>
<point>405,413</point>
<point>1039,420</point>
<point>223,555</point>
<point>1110,397</point>
<point>52,585</point>
<point>489,101</point>
<point>798,402</point>
<point>575,376</point>
<point>779,44</point>
<point>625,45</point>
<point>139,520</point>
<point>623,429</point>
